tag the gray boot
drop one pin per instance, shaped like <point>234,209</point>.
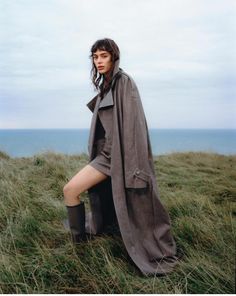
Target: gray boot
<point>76,219</point>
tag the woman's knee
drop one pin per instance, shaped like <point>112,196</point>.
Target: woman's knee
<point>70,198</point>
<point>66,189</point>
<point>70,192</point>
<point>82,181</point>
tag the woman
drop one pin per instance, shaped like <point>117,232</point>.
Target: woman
<point>120,176</point>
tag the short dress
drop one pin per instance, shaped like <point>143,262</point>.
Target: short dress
<point>101,162</point>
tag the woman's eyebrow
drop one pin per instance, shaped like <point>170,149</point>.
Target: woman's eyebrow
<point>103,53</point>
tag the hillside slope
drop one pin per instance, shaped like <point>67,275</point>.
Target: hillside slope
<point>37,256</point>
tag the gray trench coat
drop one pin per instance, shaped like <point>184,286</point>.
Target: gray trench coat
<point>130,196</point>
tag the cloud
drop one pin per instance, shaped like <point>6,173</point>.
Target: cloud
<point>180,53</point>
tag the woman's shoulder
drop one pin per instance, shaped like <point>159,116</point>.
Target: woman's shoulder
<point>126,78</point>
<point>124,75</point>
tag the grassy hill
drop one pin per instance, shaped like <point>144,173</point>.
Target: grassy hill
<point>37,255</point>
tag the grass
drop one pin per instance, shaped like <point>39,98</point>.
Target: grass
<point>37,255</point>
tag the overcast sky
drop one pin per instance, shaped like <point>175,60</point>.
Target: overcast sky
<point>180,53</point>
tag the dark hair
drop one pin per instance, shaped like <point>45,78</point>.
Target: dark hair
<point>110,46</point>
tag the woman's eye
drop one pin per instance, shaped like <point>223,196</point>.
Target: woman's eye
<point>103,56</point>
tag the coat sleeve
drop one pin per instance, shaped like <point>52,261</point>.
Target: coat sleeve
<point>106,150</point>
<point>134,136</point>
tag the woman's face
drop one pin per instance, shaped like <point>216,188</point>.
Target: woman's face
<point>102,61</point>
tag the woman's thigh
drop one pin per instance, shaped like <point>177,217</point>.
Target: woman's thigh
<point>83,180</point>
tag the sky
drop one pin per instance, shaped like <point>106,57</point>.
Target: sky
<point>180,53</point>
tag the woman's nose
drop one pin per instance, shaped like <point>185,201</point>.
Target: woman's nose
<point>99,60</point>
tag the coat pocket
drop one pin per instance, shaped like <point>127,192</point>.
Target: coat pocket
<point>137,179</point>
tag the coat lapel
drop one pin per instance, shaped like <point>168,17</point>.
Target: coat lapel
<point>107,100</point>
<point>91,104</point>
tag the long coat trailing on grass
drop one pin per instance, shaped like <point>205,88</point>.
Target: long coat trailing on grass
<point>143,221</point>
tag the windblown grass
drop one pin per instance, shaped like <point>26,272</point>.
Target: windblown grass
<point>37,255</point>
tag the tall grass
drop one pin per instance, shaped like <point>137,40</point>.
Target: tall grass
<point>37,255</point>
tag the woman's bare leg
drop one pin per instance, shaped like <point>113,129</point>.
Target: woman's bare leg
<point>82,181</point>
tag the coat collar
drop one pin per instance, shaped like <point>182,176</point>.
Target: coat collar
<point>108,98</point>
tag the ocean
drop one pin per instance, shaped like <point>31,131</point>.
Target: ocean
<point>28,142</point>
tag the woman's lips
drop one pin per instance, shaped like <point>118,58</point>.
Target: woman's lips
<point>99,68</point>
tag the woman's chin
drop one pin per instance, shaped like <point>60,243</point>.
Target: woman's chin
<point>102,72</point>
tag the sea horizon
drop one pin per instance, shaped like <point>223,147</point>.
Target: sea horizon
<point>192,128</point>
<point>22,142</point>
